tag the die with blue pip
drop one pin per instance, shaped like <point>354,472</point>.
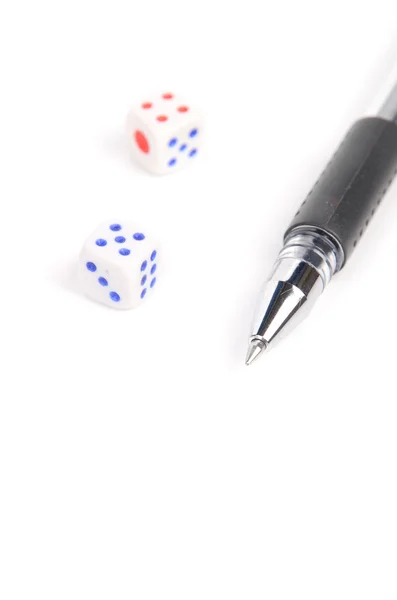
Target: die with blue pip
<point>118,265</point>
<point>166,133</point>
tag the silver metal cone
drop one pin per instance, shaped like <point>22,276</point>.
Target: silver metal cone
<point>303,268</point>
<point>255,349</point>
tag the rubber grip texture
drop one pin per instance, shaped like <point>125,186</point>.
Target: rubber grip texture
<point>352,186</point>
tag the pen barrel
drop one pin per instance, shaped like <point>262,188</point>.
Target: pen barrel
<point>352,185</point>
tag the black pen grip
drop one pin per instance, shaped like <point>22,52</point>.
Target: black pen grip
<point>353,184</point>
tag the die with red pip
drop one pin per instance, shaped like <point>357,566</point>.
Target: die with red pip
<point>166,133</point>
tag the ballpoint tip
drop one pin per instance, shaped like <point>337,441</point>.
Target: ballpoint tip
<point>255,349</point>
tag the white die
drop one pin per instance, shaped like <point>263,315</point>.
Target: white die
<point>166,133</point>
<point>118,265</point>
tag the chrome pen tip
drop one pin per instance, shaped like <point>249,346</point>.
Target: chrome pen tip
<point>256,347</point>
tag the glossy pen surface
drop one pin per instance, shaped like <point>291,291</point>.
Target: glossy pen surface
<point>328,226</point>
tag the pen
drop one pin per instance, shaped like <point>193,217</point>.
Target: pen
<point>327,227</point>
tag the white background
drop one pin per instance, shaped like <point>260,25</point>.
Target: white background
<point>139,458</point>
